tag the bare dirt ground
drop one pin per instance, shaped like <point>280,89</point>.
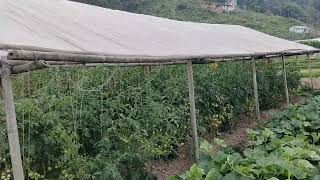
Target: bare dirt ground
<point>236,137</point>
<point>316,82</point>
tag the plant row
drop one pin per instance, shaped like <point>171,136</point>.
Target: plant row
<point>287,148</point>
<point>108,123</point>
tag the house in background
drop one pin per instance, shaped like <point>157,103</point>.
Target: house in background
<point>300,29</point>
<point>229,5</point>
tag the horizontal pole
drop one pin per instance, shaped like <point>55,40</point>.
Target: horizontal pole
<point>21,62</point>
<point>75,64</point>
<point>36,65</point>
<point>87,58</point>
<point>41,49</point>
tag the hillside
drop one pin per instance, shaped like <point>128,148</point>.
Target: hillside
<point>305,10</point>
<point>195,10</point>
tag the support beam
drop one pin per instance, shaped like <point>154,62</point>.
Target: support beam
<point>22,62</point>
<point>12,128</point>
<point>310,71</point>
<point>255,88</point>
<point>193,111</point>
<point>82,57</point>
<point>36,65</point>
<point>149,68</point>
<point>285,80</point>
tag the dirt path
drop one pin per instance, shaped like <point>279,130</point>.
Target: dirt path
<point>316,82</point>
<point>236,137</point>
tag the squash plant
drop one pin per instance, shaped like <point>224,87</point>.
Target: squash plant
<point>287,148</point>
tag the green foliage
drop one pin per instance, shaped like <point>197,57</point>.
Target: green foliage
<point>305,10</point>
<point>107,123</point>
<point>195,11</point>
<point>313,43</point>
<point>288,148</point>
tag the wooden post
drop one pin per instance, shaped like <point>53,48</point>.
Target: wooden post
<point>193,111</point>
<point>148,70</point>
<point>310,72</point>
<point>285,80</point>
<point>12,129</point>
<point>255,87</point>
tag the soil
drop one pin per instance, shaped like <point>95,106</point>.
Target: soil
<point>236,138</point>
<point>316,82</point>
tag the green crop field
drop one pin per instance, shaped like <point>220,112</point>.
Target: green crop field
<point>287,148</point>
<point>110,123</point>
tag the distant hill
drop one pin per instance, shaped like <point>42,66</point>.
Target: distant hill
<point>305,10</point>
<point>196,11</point>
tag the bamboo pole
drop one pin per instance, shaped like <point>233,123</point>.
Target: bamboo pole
<point>285,80</point>
<point>310,71</point>
<point>289,52</point>
<point>22,62</point>
<point>255,87</point>
<point>116,58</point>
<point>36,65</point>
<point>193,111</point>
<point>149,68</point>
<point>9,108</point>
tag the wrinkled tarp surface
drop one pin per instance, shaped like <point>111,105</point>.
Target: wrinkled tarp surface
<point>66,25</point>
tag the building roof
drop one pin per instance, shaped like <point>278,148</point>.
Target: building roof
<point>66,26</point>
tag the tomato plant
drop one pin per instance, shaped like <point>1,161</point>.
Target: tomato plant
<point>107,123</point>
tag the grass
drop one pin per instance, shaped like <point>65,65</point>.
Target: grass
<point>314,72</point>
<point>302,64</point>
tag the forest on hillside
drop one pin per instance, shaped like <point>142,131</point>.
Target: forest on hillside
<point>304,10</point>
<point>200,11</point>
<point>307,11</point>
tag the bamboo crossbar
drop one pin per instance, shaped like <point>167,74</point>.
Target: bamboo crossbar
<point>83,58</point>
<point>290,52</point>
<point>36,65</point>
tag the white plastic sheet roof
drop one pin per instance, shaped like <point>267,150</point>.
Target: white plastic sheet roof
<point>66,25</point>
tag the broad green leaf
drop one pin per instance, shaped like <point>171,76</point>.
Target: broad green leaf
<point>315,137</point>
<point>220,157</point>
<point>273,178</point>
<point>205,145</point>
<point>196,172</point>
<point>305,164</point>
<point>220,142</point>
<point>317,177</point>
<point>213,174</point>
<point>313,155</point>
<point>173,178</point>
<point>299,173</point>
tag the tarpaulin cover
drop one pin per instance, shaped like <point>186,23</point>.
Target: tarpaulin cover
<point>66,25</point>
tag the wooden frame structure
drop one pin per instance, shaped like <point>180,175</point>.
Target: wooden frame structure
<point>32,58</point>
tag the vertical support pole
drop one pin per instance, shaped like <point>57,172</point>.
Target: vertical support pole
<point>255,88</point>
<point>310,72</point>
<point>193,111</point>
<point>285,79</point>
<point>12,128</point>
<point>148,70</point>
